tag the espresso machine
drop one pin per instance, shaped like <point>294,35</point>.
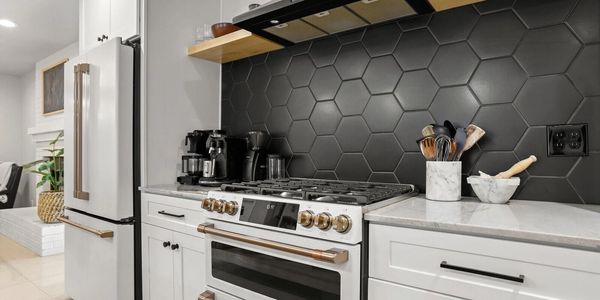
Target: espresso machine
<point>192,162</point>
<point>224,160</point>
<point>255,162</point>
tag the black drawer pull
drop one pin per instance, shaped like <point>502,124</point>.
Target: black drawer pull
<point>520,278</point>
<point>162,212</point>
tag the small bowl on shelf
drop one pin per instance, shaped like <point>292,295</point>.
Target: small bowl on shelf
<point>492,190</point>
<point>221,29</point>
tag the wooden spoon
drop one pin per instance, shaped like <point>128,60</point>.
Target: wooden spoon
<point>427,145</point>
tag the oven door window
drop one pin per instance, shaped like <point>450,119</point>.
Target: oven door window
<point>272,276</point>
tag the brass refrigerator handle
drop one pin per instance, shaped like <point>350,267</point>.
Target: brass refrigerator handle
<point>207,295</point>
<point>78,193</point>
<point>334,255</point>
<point>101,233</point>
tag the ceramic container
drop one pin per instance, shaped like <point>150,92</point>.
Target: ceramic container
<point>492,190</point>
<point>443,180</point>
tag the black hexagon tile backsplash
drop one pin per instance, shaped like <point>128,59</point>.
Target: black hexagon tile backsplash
<point>350,106</point>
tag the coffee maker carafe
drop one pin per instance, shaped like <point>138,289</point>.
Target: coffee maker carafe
<point>192,162</point>
<point>255,162</point>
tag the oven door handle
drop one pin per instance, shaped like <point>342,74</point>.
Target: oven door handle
<point>334,255</point>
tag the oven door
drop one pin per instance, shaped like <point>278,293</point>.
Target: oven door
<point>253,263</point>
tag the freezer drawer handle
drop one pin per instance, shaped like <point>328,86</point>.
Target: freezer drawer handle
<point>334,255</point>
<point>207,295</point>
<point>79,193</point>
<point>520,278</point>
<point>101,233</point>
<point>162,212</point>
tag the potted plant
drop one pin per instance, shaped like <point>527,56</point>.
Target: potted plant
<point>51,203</point>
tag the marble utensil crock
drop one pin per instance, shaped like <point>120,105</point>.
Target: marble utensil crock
<point>443,180</point>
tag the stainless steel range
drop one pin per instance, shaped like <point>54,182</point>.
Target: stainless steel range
<point>290,239</point>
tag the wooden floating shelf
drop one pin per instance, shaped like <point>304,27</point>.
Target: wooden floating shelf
<point>233,46</point>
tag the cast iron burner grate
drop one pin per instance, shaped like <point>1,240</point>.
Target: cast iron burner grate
<point>343,192</point>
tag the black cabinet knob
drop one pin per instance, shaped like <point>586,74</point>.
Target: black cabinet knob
<point>166,244</point>
<point>174,246</point>
<point>104,37</point>
<point>99,39</point>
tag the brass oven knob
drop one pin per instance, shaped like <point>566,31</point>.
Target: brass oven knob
<point>218,206</point>
<point>231,208</point>
<point>323,221</point>
<point>342,223</point>
<point>207,204</point>
<point>305,218</point>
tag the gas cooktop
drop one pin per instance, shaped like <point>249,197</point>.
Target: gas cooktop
<point>329,191</point>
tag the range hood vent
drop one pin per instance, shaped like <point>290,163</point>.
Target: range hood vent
<point>293,21</point>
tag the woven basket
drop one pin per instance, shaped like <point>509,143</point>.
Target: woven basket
<point>50,206</point>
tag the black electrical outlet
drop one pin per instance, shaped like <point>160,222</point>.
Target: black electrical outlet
<point>567,140</point>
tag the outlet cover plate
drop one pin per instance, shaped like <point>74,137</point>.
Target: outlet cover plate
<point>567,140</point>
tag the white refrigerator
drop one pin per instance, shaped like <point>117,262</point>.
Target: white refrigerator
<point>99,172</point>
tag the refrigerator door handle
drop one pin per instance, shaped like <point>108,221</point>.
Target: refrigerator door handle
<point>80,69</point>
<point>100,233</point>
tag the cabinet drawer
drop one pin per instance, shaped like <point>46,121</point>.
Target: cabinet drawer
<point>173,213</point>
<point>473,267</point>
<point>383,290</point>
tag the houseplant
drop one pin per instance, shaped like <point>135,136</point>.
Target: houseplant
<point>51,202</point>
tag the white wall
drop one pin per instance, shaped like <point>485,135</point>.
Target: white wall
<point>10,119</point>
<point>26,195</point>
<point>182,93</point>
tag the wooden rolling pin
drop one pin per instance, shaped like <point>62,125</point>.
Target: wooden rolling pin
<point>517,168</point>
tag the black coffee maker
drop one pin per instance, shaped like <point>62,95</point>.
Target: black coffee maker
<point>225,158</point>
<point>192,162</point>
<point>255,162</point>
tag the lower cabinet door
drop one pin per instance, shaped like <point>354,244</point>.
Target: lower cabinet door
<point>383,290</point>
<point>158,263</point>
<point>190,272</point>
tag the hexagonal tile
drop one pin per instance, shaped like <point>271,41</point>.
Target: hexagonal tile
<point>352,97</point>
<point>351,36</point>
<point>353,167</point>
<point>416,90</point>
<point>585,178</point>
<point>383,152</point>
<point>259,78</point>
<point>259,59</point>
<point>548,100</point>
<point>496,35</point>
<point>240,70</point>
<point>301,166</point>
<point>325,83</point>
<point>279,90</point>
<point>382,75</point>
<point>411,169</point>
<point>352,134</point>
<point>536,14</point>
<point>242,124</point>
<point>409,128</point>
<point>503,125</point>
<point>280,146</point>
<point>240,95</point>
<point>325,118</point>
<point>301,70</point>
<point>382,113</point>
<point>588,113</point>
<point>456,104</point>
<point>585,71</point>
<point>548,189</point>
<point>453,64</point>
<point>352,61</point>
<point>327,175</point>
<point>492,6</point>
<point>324,51</point>
<point>301,103</point>
<point>226,85</point>
<point>534,142</point>
<point>301,136</point>
<point>497,80</point>
<point>383,178</point>
<point>585,21</point>
<point>279,121</point>
<point>493,163</point>
<point>469,158</point>
<point>414,22</point>
<point>453,25</point>
<point>227,114</point>
<point>325,153</point>
<point>258,108</point>
<point>415,49</point>
<point>278,61</point>
<point>381,39</point>
<point>300,48</point>
<point>547,50</point>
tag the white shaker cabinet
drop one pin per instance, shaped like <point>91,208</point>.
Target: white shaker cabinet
<point>159,264</point>
<point>101,20</point>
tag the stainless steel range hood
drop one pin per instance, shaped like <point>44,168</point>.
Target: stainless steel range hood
<point>292,21</point>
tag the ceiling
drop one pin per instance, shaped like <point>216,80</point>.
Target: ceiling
<point>43,27</point>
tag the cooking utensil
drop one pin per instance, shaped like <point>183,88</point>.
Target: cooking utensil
<point>460,138</point>
<point>427,145</point>
<point>450,127</point>
<point>440,130</point>
<point>474,134</point>
<point>442,145</point>
<point>427,130</point>
<point>221,29</point>
<point>453,150</point>
<point>517,168</point>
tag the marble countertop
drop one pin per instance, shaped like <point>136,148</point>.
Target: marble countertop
<point>566,225</point>
<point>194,192</point>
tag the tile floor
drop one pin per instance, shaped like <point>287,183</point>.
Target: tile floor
<point>26,276</point>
